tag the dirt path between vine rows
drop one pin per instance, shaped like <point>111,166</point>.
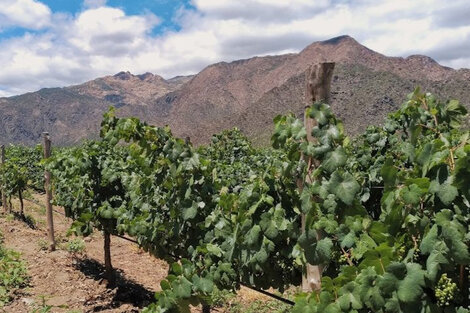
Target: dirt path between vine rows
<point>74,284</point>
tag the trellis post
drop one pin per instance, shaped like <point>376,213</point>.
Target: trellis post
<point>47,188</point>
<point>318,79</point>
<point>4,197</point>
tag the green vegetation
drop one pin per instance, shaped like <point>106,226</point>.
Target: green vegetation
<point>43,307</point>
<point>386,214</point>
<point>259,306</point>
<point>21,170</point>
<point>76,246</point>
<point>13,180</point>
<point>13,273</point>
<point>28,159</point>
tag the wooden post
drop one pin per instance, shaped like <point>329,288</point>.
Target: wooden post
<point>108,267</point>
<point>20,196</point>
<point>318,90</point>
<point>4,197</point>
<point>47,187</point>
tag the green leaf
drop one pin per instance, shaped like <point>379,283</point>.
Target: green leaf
<point>190,213</point>
<point>436,259</point>
<point>389,173</point>
<point>393,306</point>
<point>411,195</point>
<point>176,269</point>
<point>205,285</point>
<point>458,249</point>
<point>182,288</point>
<point>318,252</point>
<point>379,258</point>
<point>411,288</point>
<point>253,235</point>
<point>348,240</point>
<point>344,186</point>
<point>429,240</point>
<point>165,285</point>
<point>349,298</point>
<point>447,193</point>
<point>318,114</point>
<point>215,250</point>
<point>379,232</point>
<point>334,160</point>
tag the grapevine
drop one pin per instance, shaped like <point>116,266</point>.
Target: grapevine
<point>386,213</point>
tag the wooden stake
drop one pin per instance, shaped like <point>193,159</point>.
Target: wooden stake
<point>318,90</point>
<point>4,197</point>
<point>20,196</point>
<point>108,267</point>
<point>47,187</point>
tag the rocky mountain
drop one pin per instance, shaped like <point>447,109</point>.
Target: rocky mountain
<point>73,113</point>
<point>246,93</point>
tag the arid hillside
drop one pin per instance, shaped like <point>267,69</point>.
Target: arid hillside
<point>246,93</point>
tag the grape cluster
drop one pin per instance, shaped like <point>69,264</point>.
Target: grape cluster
<point>343,258</point>
<point>416,254</point>
<point>445,290</point>
<point>401,253</point>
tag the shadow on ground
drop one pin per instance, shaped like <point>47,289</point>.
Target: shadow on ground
<point>28,220</point>
<point>124,290</point>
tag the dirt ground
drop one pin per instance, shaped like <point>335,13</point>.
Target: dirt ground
<point>75,284</point>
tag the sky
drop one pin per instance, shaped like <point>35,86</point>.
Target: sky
<point>55,43</point>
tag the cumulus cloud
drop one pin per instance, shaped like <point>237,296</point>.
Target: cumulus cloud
<point>103,40</point>
<point>29,14</point>
<point>108,32</point>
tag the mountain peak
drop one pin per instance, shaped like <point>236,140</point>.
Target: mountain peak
<point>124,75</point>
<point>339,40</point>
<point>418,58</point>
<point>146,76</point>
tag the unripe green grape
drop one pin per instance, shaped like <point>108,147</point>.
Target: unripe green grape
<point>445,290</point>
<point>401,252</point>
<point>343,258</point>
<point>416,254</point>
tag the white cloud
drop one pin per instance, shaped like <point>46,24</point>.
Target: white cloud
<point>29,14</point>
<point>260,10</point>
<point>103,40</point>
<point>94,3</point>
<point>109,32</point>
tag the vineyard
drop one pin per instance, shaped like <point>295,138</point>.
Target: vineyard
<point>376,223</point>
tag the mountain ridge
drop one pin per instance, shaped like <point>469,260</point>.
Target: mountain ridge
<point>246,93</point>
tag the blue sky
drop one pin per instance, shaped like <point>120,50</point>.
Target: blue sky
<point>54,43</point>
<point>164,9</point>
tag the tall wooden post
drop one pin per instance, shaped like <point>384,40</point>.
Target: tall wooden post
<point>108,267</point>
<point>4,197</point>
<point>20,197</point>
<point>318,90</point>
<point>47,187</point>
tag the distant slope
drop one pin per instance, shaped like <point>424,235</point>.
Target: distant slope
<point>246,93</point>
<point>73,113</point>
